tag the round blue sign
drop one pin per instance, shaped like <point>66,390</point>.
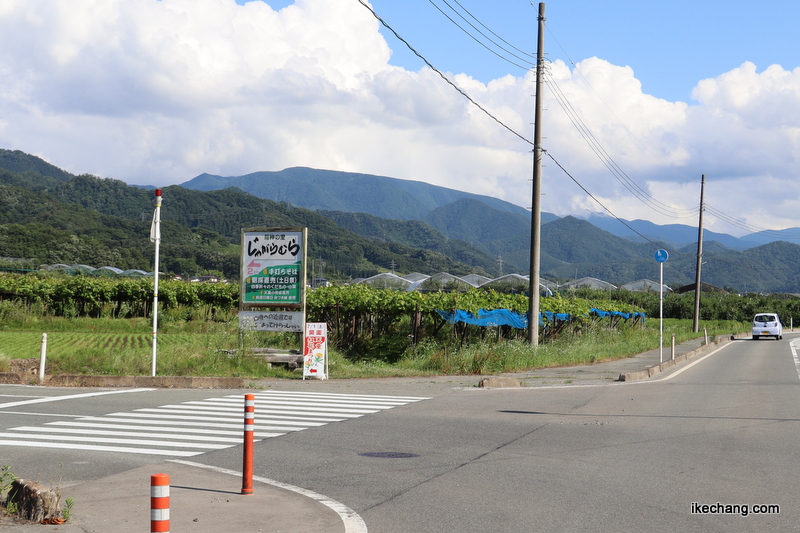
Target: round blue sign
<point>661,256</point>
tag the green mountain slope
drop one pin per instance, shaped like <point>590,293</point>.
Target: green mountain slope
<point>329,190</point>
<point>412,233</point>
<point>57,217</point>
<point>22,163</point>
<point>111,221</point>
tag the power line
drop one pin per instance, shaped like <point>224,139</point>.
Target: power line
<point>445,78</point>
<point>595,199</point>
<point>733,221</point>
<point>608,161</point>
<point>590,139</point>
<point>525,67</point>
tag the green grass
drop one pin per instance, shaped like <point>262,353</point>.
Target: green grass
<point>597,345</point>
<point>195,348</point>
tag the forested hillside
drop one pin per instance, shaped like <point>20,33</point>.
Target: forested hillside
<point>100,222</point>
<point>50,216</point>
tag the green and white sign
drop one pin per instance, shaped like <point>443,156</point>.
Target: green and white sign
<point>272,266</point>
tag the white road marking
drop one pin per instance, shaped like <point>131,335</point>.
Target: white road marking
<point>794,355</point>
<point>69,397</point>
<point>352,522</point>
<point>204,425</point>
<point>95,448</point>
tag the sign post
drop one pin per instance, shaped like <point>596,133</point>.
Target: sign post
<point>661,256</point>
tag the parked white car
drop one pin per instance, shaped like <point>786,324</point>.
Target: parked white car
<point>767,325</point>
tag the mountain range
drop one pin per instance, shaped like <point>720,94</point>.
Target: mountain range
<point>615,250</point>
<point>392,198</point>
<point>359,225</point>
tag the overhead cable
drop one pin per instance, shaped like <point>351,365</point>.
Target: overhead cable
<point>608,161</point>
<point>516,64</point>
<point>445,78</point>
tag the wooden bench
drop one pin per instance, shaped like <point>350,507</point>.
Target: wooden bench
<point>293,359</point>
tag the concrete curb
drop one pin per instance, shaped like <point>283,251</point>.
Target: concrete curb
<point>78,380</point>
<point>499,382</point>
<point>666,365</point>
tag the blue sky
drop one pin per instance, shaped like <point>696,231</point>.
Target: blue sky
<point>641,98</point>
<point>669,45</point>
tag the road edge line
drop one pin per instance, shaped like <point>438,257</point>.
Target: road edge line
<point>690,365</point>
<point>353,523</point>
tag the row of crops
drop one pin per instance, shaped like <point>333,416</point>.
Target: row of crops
<point>355,314</point>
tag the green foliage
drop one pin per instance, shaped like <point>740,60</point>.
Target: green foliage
<point>79,296</point>
<point>66,512</point>
<point>6,477</point>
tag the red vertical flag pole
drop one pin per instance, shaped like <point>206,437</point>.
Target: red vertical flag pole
<point>249,426</point>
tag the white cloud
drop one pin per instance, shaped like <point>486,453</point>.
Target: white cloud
<point>159,91</point>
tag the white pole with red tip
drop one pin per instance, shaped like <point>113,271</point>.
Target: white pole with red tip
<point>155,236</point>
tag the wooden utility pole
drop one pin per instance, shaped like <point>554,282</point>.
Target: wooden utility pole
<point>696,323</point>
<point>536,208</point>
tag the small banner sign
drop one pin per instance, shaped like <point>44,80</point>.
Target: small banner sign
<point>271,321</point>
<point>315,351</point>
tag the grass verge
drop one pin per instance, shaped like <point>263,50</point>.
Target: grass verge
<point>198,348</point>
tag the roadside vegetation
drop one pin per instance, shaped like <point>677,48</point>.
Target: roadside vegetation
<point>105,346</point>
<point>98,327</point>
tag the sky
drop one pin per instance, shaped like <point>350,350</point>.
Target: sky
<point>640,99</point>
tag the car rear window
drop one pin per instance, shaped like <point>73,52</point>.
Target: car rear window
<point>765,318</point>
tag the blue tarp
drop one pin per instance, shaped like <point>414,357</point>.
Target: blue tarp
<point>551,316</point>
<point>506,317</point>
<point>626,316</point>
<point>496,317</point>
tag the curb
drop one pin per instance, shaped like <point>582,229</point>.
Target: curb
<point>639,375</point>
<point>78,380</point>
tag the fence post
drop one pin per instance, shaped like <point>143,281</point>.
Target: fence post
<point>249,426</point>
<point>42,357</point>
<point>159,503</point>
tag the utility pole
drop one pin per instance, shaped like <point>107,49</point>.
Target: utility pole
<point>696,323</point>
<point>536,207</point>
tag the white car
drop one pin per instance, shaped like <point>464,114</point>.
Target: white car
<point>767,325</point>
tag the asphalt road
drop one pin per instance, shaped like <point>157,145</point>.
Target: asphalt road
<point>614,457</point>
<point>666,454</point>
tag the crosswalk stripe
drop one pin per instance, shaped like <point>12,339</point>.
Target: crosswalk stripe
<point>198,426</point>
<point>172,428</point>
<point>110,433</point>
<point>95,448</point>
<point>119,441</point>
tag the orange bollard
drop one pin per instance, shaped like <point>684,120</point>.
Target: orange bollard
<point>159,503</point>
<point>249,426</point>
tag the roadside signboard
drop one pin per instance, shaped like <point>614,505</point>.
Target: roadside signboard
<point>315,351</point>
<point>273,267</point>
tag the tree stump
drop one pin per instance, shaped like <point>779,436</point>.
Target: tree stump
<point>32,500</point>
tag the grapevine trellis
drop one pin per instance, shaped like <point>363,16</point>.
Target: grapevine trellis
<point>355,314</point>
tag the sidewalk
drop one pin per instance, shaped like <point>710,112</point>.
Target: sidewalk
<point>201,501</point>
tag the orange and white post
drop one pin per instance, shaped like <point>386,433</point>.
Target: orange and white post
<point>249,426</point>
<point>159,503</point>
